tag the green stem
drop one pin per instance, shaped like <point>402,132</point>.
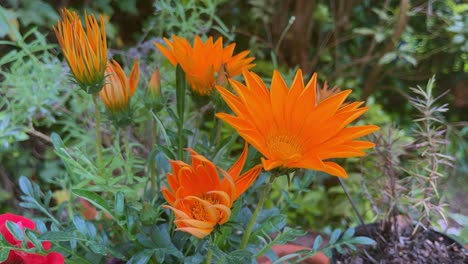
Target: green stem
<point>180,139</point>
<point>209,255</point>
<point>97,128</point>
<point>248,230</point>
<point>128,168</point>
<point>152,163</point>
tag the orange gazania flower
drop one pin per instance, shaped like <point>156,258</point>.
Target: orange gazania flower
<point>200,198</point>
<point>118,89</point>
<point>205,61</point>
<point>84,50</point>
<point>290,129</point>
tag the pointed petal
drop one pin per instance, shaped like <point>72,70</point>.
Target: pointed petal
<point>246,180</point>
<point>236,169</point>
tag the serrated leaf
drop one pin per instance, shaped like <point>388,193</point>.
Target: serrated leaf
<point>335,236</point>
<point>141,257</point>
<point>15,230</point>
<point>363,240</point>
<point>95,199</point>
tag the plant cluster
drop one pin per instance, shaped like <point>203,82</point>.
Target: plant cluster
<point>186,149</point>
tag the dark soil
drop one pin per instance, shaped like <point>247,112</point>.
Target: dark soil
<point>426,246</point>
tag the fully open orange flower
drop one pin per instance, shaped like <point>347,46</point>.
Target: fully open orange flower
<point>84,50</point>
<point>200,198</point>
<point>205,61</point>
<point>118,89</point>
<point>290,129</point>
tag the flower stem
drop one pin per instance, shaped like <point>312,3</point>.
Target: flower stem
<point>209,255</point>
<point>248,230</point>
<point>128,168</point>
<point>353,204</point>
<point>152,162</point>
<point>97,128</point>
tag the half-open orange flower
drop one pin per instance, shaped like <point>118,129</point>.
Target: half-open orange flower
<point>200,198</point>
<point>204,61</point>
<point>118,89</point>
<point>84,50</point>
<point>290,129</point>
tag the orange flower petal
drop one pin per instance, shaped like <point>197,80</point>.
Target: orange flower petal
<point>290,128</point>
<point>204,60</point>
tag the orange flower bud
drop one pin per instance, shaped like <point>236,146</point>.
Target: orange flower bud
<point>84,50</point>
<point>118,89</point>
<point>154,85</point>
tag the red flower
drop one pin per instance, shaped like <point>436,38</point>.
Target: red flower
<point>18,256</point>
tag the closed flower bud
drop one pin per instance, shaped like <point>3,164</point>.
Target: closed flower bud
<point>154,85</point>
<point>118,90</point>
<point>84,49</point>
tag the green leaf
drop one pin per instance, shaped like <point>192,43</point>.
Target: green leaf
<point>119,204</point>
<point>95,199</point>
<point>98,248</point>
<point>349,233</point>
<point>335,236</point>
<point>15,230</point>
<point>317,242</point>
<point>387,58</point>
<point>4,252</point>
<point>412,60</point>
<point>80,225</point>
<point>141,257</point>
<point>363,240</point>
<point>32,236</point>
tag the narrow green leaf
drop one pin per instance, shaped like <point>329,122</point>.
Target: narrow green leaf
<point>363,240</point>
<point>95,199</point>
<point>15,230</point>
<point>181,85</point>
